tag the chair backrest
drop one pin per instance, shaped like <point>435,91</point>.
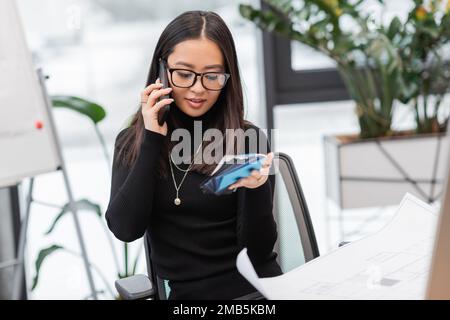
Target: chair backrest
<point>296,238</point>
<point>296,242</point>
<point>160,284</point>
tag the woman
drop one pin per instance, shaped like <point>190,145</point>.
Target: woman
<point>194,237</point>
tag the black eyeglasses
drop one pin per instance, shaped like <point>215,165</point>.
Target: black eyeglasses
<point>185,78</point>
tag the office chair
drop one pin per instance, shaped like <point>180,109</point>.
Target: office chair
<point>296,243</point>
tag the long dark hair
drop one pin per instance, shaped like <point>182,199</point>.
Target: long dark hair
<point>228,111</point>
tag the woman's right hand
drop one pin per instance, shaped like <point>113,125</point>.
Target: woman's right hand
<point>150,106</point>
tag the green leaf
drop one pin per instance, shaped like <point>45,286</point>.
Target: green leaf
<point>82,204</point>
<point>394,28</point>
<point>270,21</point>
<point>245,10</point>
<point>88,108</point>
<point>433,32</point>
<point>43,254</point>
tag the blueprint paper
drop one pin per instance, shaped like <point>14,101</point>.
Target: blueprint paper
<point>390,264</point>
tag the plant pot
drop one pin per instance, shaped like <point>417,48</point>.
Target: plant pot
<point>378,172</point>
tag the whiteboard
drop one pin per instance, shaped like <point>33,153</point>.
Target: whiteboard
<point>25,149</point>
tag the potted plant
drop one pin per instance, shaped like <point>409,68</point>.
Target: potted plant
<point>378,64</point>
<point>421,41</point>
<point>128,266</point>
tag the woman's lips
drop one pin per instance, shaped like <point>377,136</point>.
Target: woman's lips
<point>196,103</point>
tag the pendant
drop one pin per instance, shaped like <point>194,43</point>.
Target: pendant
<point>177,201</point>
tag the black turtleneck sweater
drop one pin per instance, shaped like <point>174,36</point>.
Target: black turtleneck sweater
<point>193,245</point>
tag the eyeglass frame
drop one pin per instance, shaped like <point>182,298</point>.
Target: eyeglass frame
<point>171,70</point>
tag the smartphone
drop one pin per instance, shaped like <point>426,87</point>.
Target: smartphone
<point>164,111</point>
<point>228,172</point>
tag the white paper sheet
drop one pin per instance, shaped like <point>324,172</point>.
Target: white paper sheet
<point>390,264</point>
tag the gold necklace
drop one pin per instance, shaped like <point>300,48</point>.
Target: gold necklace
<point>177,199</point>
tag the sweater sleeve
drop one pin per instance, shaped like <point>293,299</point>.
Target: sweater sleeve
<point>257,229</point>
<point>132,189</point>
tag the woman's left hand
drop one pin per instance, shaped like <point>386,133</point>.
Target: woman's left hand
<point>257,177</point>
